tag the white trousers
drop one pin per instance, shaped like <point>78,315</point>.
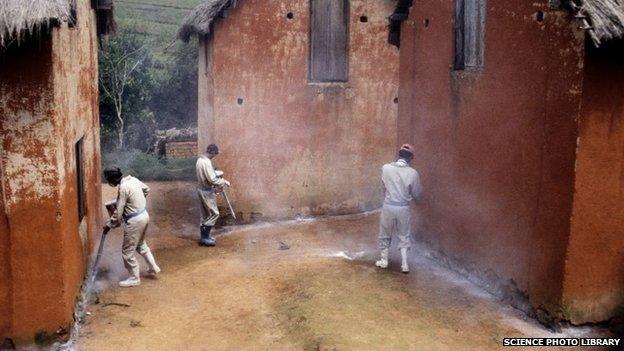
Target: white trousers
<point>209,209</point>
<point>394,220</point>
<point>134,240</point>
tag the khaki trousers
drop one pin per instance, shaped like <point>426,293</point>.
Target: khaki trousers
<point>394,220</point>
<point>209,209</point>
<point>134,240</point>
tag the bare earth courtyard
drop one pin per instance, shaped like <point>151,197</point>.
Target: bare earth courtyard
<point>322,293</point>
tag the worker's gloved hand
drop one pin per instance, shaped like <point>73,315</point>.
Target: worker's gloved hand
<point>226,183</point>
<point>110,225</point>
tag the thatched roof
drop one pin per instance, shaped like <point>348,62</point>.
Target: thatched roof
<point>18,17</point>
<point>199,21</point>
<point>21,17</point>
<point>604,19</point>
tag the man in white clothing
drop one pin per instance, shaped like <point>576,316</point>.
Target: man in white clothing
<point>130,211</point>
<point>401,184</point>
<point>209,182</point>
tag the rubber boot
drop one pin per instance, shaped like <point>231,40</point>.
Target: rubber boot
<point>203,237</point>
<point>211,240</point>
<point>404,265</point>
<point>153,267</point>
<point>383,261</point>
<point>133,279</point>
<point>206,238</point>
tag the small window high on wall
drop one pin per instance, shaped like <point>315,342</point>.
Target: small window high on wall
<point>469,34</point>
<point>329,41</point>
<point>80,187</point>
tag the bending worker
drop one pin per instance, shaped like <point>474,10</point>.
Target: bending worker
<point>209,182</point>
<point>401,184</point>
<point>130,211</point>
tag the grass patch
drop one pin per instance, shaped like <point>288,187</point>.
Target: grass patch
<point>149,167</point>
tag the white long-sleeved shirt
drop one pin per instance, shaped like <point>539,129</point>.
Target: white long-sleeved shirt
<point>206,174</point>
<point>130,199</point>
<point>401,183</point>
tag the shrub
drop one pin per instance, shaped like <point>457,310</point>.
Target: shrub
<point>150,167</point>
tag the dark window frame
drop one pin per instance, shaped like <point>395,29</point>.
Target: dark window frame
<point>343,75</point>
<point>72,21</point>
<point>80,179</point>
<point>469,34</point>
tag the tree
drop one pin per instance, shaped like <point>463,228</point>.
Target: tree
<point>125,85</point>
<point>178,79</point>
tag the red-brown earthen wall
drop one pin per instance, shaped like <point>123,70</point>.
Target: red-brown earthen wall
<point>5,267</point>
<point>496,147</point>
<point>594,285</point>
<point>291,147</point>
<point>48,100</point>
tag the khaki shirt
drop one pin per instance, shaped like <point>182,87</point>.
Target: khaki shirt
<point>130,199</point>
<point>401,183</point>
<point>206,175</point>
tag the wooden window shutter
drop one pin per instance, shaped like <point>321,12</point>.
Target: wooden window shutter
<point>469,34</point>
<point>329,38</point>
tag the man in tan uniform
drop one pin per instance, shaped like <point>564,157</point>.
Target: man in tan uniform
<point>209,182</point>
<point>131,212</point>
<point>401,184</point>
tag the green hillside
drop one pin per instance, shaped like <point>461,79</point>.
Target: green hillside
<point>158,20</point>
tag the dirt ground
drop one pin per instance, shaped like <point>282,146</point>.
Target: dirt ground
<point>323,293</point>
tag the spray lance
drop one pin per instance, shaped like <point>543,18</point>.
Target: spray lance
<point>111,206</point>
<point>219,174</point>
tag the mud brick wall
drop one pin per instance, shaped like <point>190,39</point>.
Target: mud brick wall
<point>594,285</point>
<point>181,149</point>
<point>290,146</point>
<point>48,101</point>
<point>521,159</point>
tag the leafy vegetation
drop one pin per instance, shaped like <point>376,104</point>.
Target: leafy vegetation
<point>126,83</point>
<point>150,167</point>
<point>148,81</point>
